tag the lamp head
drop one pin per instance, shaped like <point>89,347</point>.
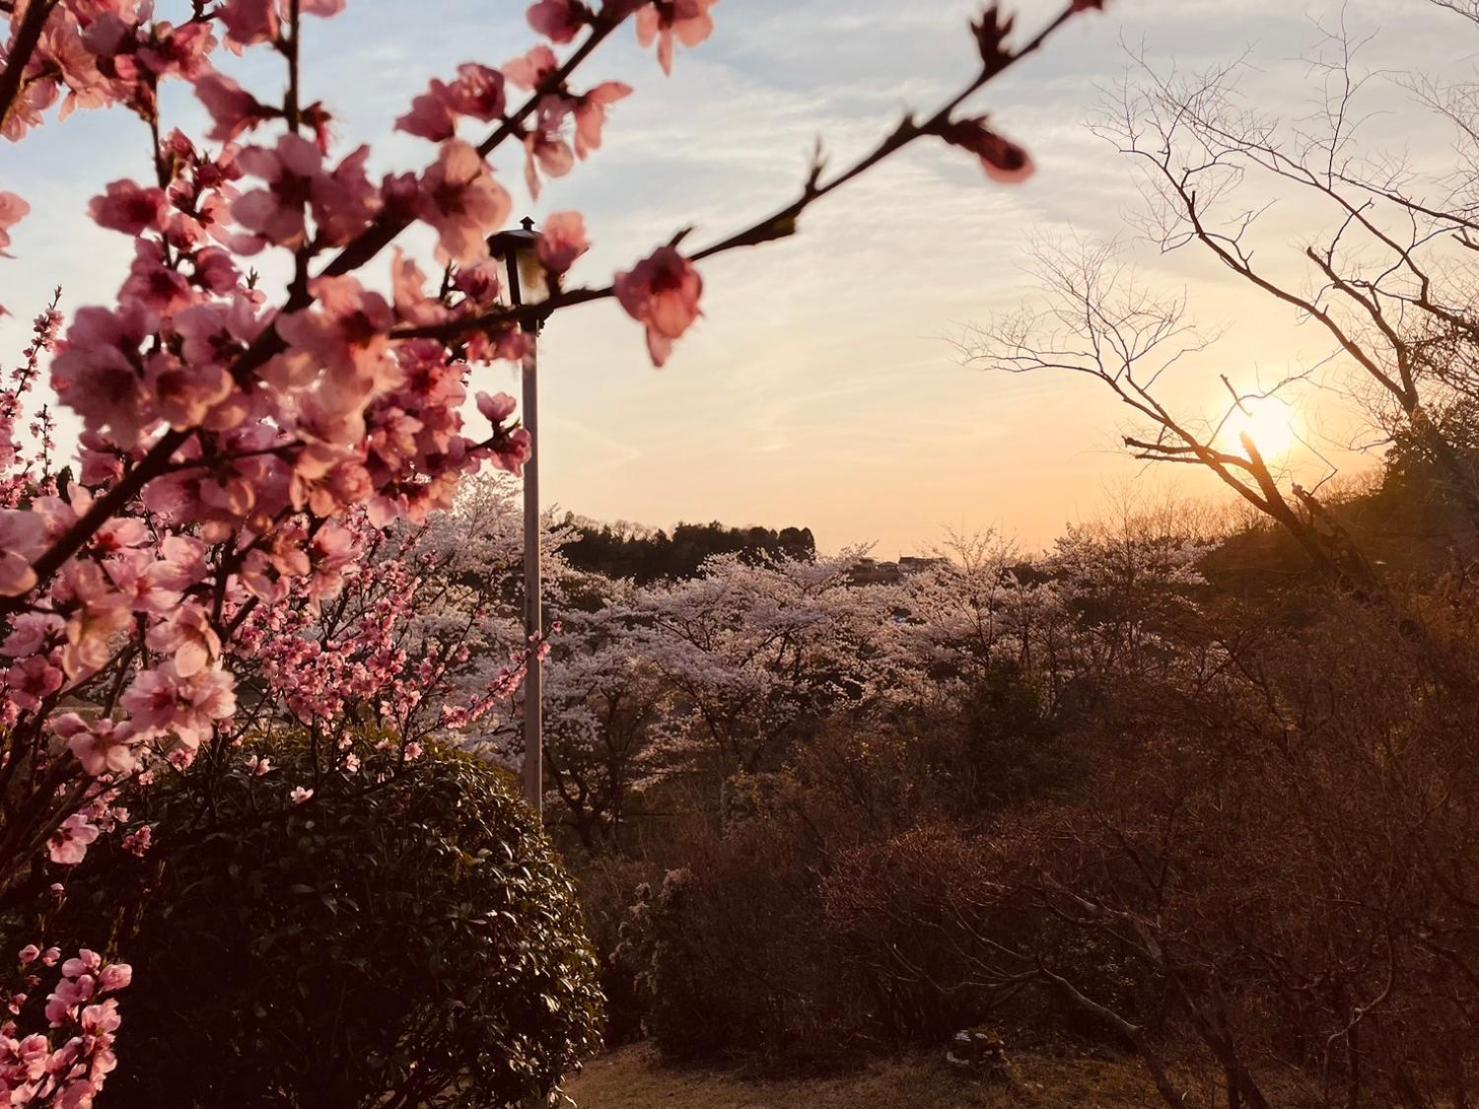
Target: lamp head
<point>518,250</point>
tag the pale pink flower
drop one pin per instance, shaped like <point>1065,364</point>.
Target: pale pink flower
<point>186,634</point>
<point>31,680</point>
<point>590,114</point>
<point>86,961</point>
<point>686,20</point>
<point>233,110</point>
<point>13,209</point>
<point>22,538</point>
<point>559,20</point>
<point>100,1020</point>
<point>68,844</point>
<point>408,290</point>
<point>496,408</point>
<point>153,284</point>
<point>138,843</point>
<point>116,976</point>
<point>100,612</point>
<point>248,22</point>
<point>562,240</point>
<point>429,117</point>
<point>181,563</point>
<point>344,201</point>
<point>477,92</point>
<point>102,747</point>
<point>662,293</point>
<point>513,451</point>
<point>96,372</point>
<point>292,170</point>
<point>215,272</point>
<point>163,700</point>
<point>29,954</point>
<point>347,335</point>
<point>299,795</point>
<point>530,71</point>
<point>185,395</point>
<point>462,201</point>
<point>125,206</point>
<point>1002,159</point>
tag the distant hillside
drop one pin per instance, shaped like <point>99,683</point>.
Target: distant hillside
<point>628,551</point>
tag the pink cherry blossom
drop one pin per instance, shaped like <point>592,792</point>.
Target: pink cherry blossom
<point>662,293</point>
<point>686,20</point>
<point>559,20</point>
<point>477,92</point>
<point>99,1020</point>
<point>115,977</point>
<point>430,116</point>
<point>164,700</point>
<point>347,336</point>
<point>248,22</point>
<point>22,537</point>
<point>292,170</point>
<point>68,844</point>
<point>138,842</point>
<point>590,114</point>
<point>460,199</point>
<point>97,372</point>
<point>232,108</point>
<point>1002,159</point>
<point>103,747</point>
<point>496,408</point>
<point>12,210</point>
<point>562,240</point>
<point>126,207</point>
<point>408,285</point>
<point>187,635</point>
<point>513,451</point>
<point>99,613</point>
<point>299,795</point>
<point>545,150</point>
<point>31,680</point>
<point>533,69</point>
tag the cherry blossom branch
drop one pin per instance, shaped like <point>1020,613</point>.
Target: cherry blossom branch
<point>380,234</point>
<point>26,40</point>
<point>356,254</point>
<point>783,222</point>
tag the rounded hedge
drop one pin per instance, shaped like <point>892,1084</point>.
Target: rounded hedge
<point>411,942</point>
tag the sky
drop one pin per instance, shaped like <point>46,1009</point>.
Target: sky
<point>822,387</point>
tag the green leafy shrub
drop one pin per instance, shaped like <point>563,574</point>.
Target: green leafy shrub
<point>406,942</point>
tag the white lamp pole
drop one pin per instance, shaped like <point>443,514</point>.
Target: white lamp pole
<point>527,284</point>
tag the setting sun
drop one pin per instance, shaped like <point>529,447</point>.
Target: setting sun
<point>1268,421</point>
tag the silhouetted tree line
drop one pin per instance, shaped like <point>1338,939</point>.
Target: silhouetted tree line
<point>626,551</point>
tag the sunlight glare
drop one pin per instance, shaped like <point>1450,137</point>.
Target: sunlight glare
<point>1268,421</point>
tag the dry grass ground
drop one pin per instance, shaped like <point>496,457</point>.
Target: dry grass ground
<point>631,1079</point>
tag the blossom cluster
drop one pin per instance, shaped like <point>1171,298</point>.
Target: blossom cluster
<point>65,1065</point>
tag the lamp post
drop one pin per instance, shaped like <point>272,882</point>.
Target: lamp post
<point>528,284</point>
